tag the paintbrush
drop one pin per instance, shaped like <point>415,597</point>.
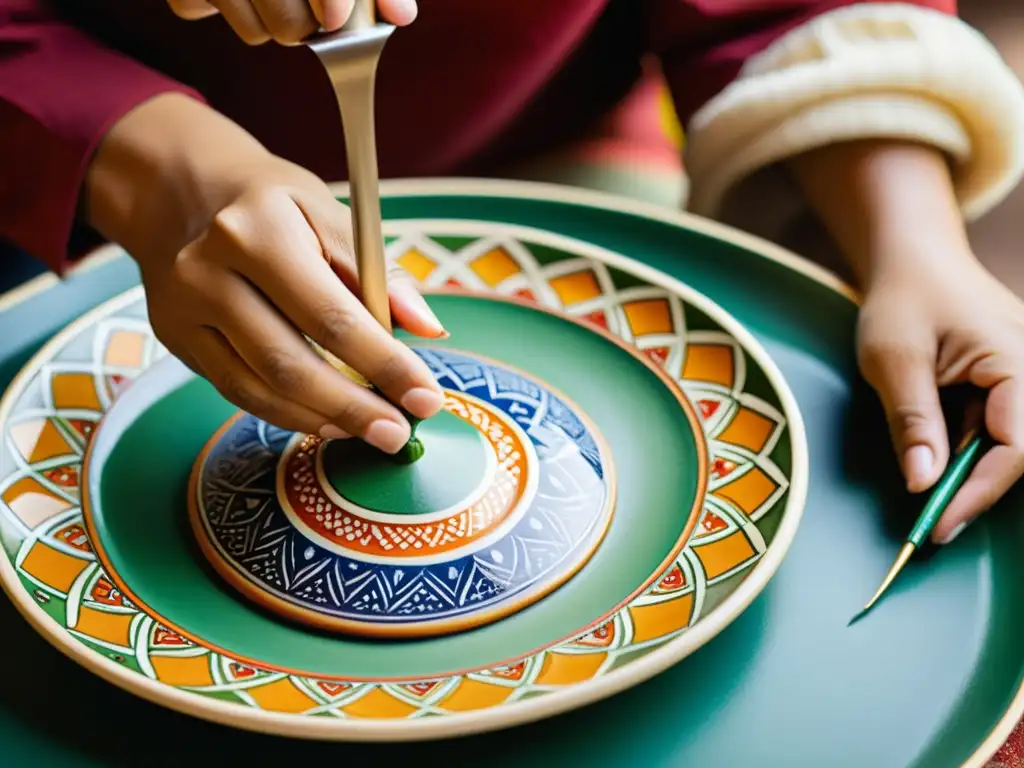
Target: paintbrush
<point>965,457</point>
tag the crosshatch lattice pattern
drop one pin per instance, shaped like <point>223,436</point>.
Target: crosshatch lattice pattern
<point>58,405</point>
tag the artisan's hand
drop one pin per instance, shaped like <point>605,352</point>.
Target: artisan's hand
<point>924,329</point>
<point>932,315</point>
<point>241,253</point>
<point>287,21</point>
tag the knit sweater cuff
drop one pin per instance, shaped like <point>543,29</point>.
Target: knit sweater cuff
<point>867,71</point>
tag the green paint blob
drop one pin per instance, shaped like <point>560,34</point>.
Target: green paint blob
<point>411,452</point>
<point>437,479</point>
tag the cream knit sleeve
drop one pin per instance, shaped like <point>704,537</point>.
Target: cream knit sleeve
<point>872,70</point>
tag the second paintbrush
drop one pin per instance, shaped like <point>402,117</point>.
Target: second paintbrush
<point>964,459</point>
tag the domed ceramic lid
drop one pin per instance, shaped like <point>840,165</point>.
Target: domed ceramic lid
<point>513,494</point>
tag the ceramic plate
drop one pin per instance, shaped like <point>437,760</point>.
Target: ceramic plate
<point>114,612</point>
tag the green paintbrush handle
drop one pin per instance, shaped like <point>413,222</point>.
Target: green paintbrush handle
<point>950,482</point>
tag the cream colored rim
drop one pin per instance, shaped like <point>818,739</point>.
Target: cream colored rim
<point>534,709</point>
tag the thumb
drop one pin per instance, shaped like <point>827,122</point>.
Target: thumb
<point>904,379</point>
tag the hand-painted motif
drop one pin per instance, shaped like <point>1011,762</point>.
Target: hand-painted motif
<point>532,522</point>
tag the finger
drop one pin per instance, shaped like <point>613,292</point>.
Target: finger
<point>238,383</point>
<point>398,12</point>
<point>998,469</point>
<point>309,294</point>
<point>191,10</point>
<point>332,14</point>
<point>410,310</point>
<point>408,307</point>
<point>243,19</point>
<point>187,359</point>
<point>289,22</point>
<point>905,382</point>
<point>287,364</point>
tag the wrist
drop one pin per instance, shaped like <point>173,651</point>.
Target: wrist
<point>163,171</point>
<point>889,205</point>
<point>914,269</point>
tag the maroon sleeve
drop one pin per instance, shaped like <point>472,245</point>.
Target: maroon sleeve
<point>60,92</point>
<point>703,44</point>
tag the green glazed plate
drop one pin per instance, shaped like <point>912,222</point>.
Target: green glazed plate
<point>932,678</point>
<point>700,501</point>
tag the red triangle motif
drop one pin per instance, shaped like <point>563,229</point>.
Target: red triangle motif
<point>601,637</point>
<point>451,282</point>
<point>332,689</point>
<point>510,672</point>
<point>525,294</point>
<point>65,477</point>
<point>673,580</point>
<point>712,522</point>
<point>105,592</point>
<point>83,427</point>
<point>421,689</point>
<point>598,318</point>
<point>241,671</point>
<point>658,354</point>
<point>708,408</point>
<point>722,467</point>
<point>164,636</point>
<point>117,384</point>
<point>75,536</point>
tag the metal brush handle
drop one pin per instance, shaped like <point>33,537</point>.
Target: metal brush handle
<point>350,57</point>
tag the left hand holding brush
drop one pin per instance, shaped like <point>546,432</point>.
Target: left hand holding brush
<point>936,326</point>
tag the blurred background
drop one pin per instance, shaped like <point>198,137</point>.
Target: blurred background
<point>636,151</point>
<point>998,237</point>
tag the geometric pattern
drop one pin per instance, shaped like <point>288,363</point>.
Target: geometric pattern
<point>326,514</point>
<point>56,404</point>
<point>556,510</point>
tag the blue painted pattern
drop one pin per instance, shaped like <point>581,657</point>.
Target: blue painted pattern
<point>566,516</point>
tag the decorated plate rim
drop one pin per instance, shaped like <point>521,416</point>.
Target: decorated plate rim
<point>528,710</point>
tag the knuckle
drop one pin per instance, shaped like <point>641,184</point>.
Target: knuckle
<point>910,418</point>
<point>338,245</point>
<point>188,272</point>
<point>390,371</point>
<point>351,414</point>
<point>333,326</point>
<point>876,356</point>
<point>282,371</point>
<point>231,224</point>
<point>237,390</point>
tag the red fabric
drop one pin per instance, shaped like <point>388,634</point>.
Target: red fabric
<point>469,85</point>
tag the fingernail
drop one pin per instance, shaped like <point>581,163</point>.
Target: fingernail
<point>919,461</point>
<point>331,432</point>
<point>954,533</point>
<point>387,435</point>
<point>419,307</point>
<point>422,403</point>
<point>407,9</point>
